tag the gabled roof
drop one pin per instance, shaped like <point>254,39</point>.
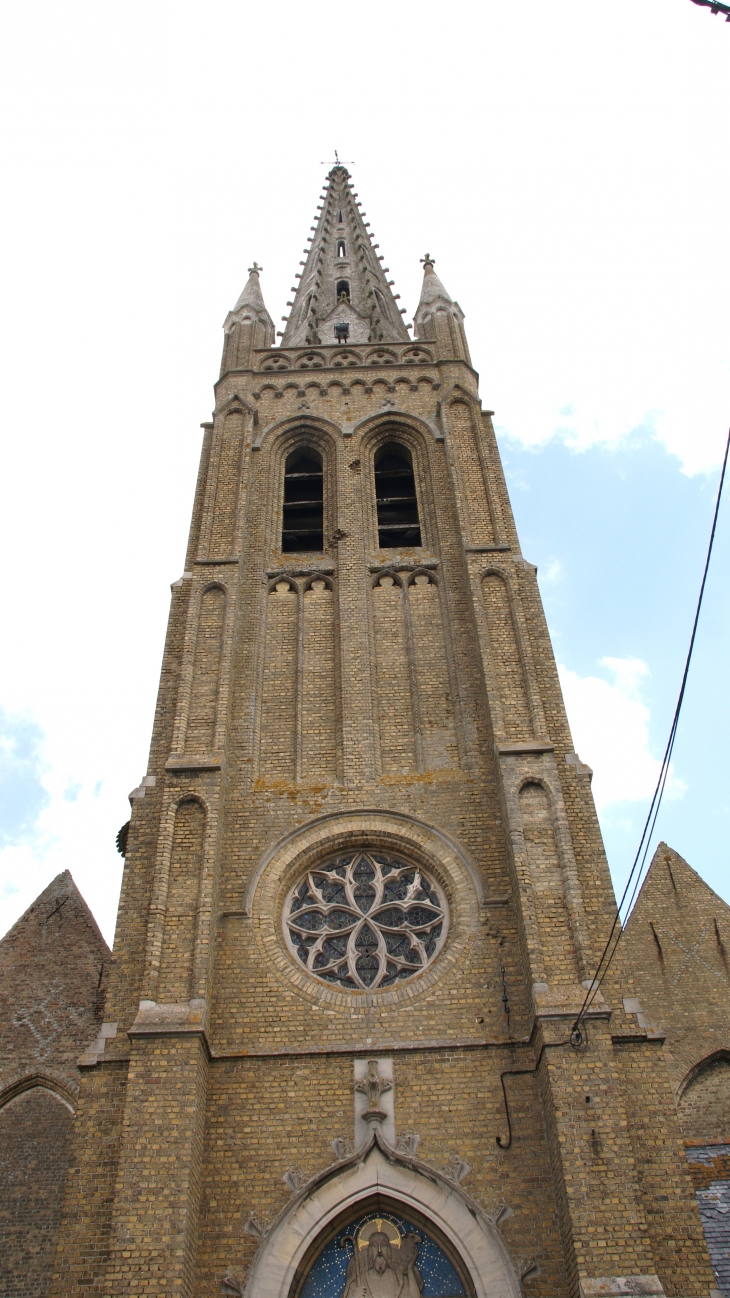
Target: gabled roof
<point>60,892</point>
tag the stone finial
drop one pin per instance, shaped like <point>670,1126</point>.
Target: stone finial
<point>432,289</point>
<point>233,1283</point>
<point>435,303</point>
<point>342,1147</point>
<point>253,1226</point>
<point>408,1144</point>
<point>252,296</point>
<point>295,1178</point>
<point>456,1169</point>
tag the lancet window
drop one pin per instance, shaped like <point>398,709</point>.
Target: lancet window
<point>303,512</point>
<point>395,493</point>
<point>343,288</point>
<point>365,920</point>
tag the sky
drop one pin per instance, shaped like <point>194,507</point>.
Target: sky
<point>565,164</point>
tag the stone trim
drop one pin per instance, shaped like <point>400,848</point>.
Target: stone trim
<point>379,1169</point>
<point>393,831</point>
<point>619,1285</point>
<point>62,1087</point>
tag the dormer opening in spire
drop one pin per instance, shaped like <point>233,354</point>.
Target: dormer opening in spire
<point>343,290</point>
<point>341,250</point>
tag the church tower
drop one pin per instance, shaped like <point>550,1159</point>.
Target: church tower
<point>364,887</point>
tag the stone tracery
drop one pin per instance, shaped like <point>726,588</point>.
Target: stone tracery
<point>365,921</point>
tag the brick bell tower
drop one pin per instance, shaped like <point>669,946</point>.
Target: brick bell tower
<point>364,888</point>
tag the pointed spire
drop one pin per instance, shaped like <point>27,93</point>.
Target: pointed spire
<point>342,282</point>
<point>251,307</point>
<point>432,290</point>
<point>434,299</point>
<point>252,295</point>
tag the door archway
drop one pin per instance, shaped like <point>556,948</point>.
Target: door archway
<point>377,1177</point>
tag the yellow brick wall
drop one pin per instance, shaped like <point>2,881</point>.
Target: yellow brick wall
<point>360,707</point>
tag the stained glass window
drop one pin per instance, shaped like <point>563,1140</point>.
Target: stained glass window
<point>407,1261</point>
<point>365,921</point>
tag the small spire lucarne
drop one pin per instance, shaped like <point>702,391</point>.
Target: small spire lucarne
<point>343,294</point>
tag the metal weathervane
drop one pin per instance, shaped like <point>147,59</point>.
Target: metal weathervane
<point>339,163</point>
<point>715,7</point>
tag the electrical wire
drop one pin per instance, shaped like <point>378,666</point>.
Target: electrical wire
<point>642,852</point>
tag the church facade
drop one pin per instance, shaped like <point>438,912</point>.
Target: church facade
<point>365,890</point>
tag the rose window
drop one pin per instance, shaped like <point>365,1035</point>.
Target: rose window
<point>365,920</point>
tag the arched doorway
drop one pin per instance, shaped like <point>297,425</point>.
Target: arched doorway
<point>306,1252</point>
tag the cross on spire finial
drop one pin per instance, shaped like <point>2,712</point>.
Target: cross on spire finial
<point>255,269</point>
<point>427,261</point>
<point>338,162</point>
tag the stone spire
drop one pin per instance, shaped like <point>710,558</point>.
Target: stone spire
<point>342,282</point>
<point>247,326</point>
<point>438,317</point>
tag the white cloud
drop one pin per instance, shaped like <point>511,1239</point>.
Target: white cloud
<point>610,726</point>
<point>552,572</point>
<point>70,827</point>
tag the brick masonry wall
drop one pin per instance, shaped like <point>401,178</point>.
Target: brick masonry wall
<point>53,968</point>
<point>266,1116</point>
<point>677,943</point>
<point>35,1133</point>
<point>406,717</point>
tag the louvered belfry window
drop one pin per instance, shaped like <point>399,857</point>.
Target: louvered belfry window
<point>303,520</point>
<point>395,493</point>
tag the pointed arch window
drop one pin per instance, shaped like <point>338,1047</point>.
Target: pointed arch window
<point>395,494</point>
<point>341,251</point>
<point>303,513</point>
<point>343,287</point>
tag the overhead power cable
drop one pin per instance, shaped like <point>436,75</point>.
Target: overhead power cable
<point>637,870</point>
<point>715,7</point>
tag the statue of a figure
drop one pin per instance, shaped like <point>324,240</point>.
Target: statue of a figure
<point>383,1264</point>
<point>373,1086</point>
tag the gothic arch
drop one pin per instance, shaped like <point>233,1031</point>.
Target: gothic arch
<point>240,406</point>
<point>507,658</point>
<point>377,430</point>
<point>160,892</point>
<point>523,647</point>
<point>369,424</point>
<point>205,664</point>
<point>58,1087</point>
<point>325,428</point>
<point>704,1097</point>
<point>694,1074</point>
<point>378,1171</point>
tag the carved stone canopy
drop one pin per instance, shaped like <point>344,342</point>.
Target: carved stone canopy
<point>376,1169</point>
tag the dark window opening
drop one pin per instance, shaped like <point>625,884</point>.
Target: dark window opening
<point>303,521</point>
<point>395,493</point>
<point>339,217</point>
<point>341,248</point>
<point>343,287</point>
